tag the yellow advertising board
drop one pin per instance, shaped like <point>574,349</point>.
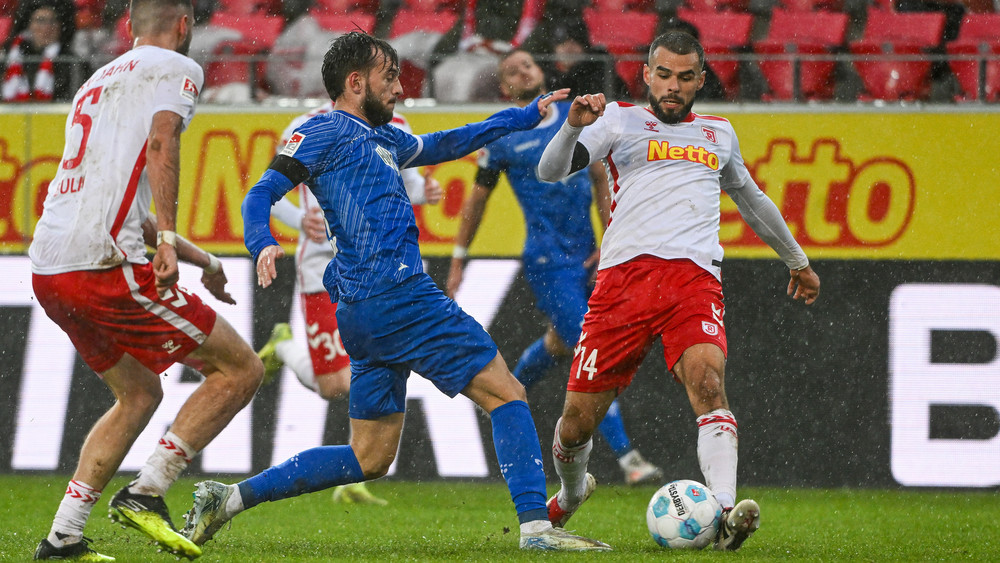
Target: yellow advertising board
<point>861,185</point>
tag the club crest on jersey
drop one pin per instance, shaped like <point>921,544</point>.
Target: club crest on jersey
<point>189,89</point>
<point>709,134</point>
<point>661,150</point>
<point>386,156</point>
<point>710,328</point>
<point>293,144</point>
<point>651,126</point>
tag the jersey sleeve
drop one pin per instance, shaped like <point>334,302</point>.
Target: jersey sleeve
<point>179,88</point>
<point>407,146</point>
<point>490,166</point>
<point>598,138</point>
<point>734,174</point>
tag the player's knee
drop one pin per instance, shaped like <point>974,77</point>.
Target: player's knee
<point>576,426</point>
<point>335,385</point>
<point>141,400</point>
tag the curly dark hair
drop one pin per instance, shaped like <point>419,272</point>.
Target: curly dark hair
<point>354,52</point>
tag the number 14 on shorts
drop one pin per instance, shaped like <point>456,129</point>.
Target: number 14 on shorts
<point>587,361</point>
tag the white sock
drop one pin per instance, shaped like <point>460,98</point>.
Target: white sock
<point>296,357</point>
<point>234,504</point>
<point>718,441</point>
<point>171,456</point>
<point>74,510</point>
<point>571,466</point>
<point>535,526</point>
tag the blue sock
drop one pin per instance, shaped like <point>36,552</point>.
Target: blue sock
<point>613,430</point>
<point>520,456</point>
<point>534,363</point>
<point>305,472</point>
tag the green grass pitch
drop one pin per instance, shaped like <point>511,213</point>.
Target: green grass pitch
<point>461,521</point>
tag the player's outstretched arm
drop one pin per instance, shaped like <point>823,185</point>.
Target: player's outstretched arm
<point>804,285</point>
<point>472,216</point>
<point>163,160</point>
<point>213,277</point>
<point>443,146</point>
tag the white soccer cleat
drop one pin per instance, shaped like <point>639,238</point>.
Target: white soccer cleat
<point>558,539</point>
<point>558,514</point>
<point>638,471</point>
<point>737,524</point>
<point>209,512</point>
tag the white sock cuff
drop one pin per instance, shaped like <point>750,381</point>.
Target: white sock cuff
<point>174,444</point>
<point>718,419</point>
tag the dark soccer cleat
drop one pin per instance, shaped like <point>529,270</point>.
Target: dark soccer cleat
<point>77,551</point>
<point>737,524</point>
<point>149,515</point>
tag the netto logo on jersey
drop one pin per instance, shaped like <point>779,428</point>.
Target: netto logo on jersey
<point>661,150</point>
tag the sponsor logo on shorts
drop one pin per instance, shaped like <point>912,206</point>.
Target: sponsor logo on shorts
<point>710,328</point>
<point>293,144</point>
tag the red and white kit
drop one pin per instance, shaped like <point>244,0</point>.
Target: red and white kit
<point>661,259</point>
<point>311,259</point>
<point>89,236</point>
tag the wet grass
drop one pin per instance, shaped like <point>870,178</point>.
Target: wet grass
<point>459,521</point>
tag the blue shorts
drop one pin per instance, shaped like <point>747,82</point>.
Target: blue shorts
<point>561,294</point>
<point>413,326</point>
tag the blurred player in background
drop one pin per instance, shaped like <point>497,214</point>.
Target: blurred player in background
<point>127,318</point>
<point>560,251</point>
<point>660,268</point>
<point>322,364</point>
<point>392,318</point>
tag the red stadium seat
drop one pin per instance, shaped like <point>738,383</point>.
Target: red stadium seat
<point>807,33</point>
<point>810,5</point>
<point>243,7</point>
<point>979,35</point>
<point>722,33</point>
<point>622,5</point>
<point>452,6</point>
<point>259,31</point>
<point>345,6</point>
<point>342,23</point>
<point>422,20</point>
<point>626,36</point>
<point>715,5</point>
<point>409,21</point>
<point>891,33</point>
<point>5,24</point>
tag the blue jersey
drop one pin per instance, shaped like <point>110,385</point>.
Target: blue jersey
<point>353,170</point>
<point>557,215</point>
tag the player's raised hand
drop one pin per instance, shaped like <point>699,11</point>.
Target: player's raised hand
<point>215,283</point>
<point>266,264</point>
<point>165,268</point>
<point>804,285</point>
<point>552,97</point>
<point>433,192</point>
<point>314,226</point>
<point>586,109</point>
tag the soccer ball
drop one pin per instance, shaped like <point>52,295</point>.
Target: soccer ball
<point>683,515</point>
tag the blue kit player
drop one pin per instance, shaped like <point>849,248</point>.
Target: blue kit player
<point>392,317</point>
<point>560,252</point>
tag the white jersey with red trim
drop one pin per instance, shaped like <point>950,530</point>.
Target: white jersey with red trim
<point>666,183</point>
<point>312,258</point>
<point>100,196</point>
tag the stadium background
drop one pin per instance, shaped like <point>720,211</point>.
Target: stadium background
<point>891,379</point>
